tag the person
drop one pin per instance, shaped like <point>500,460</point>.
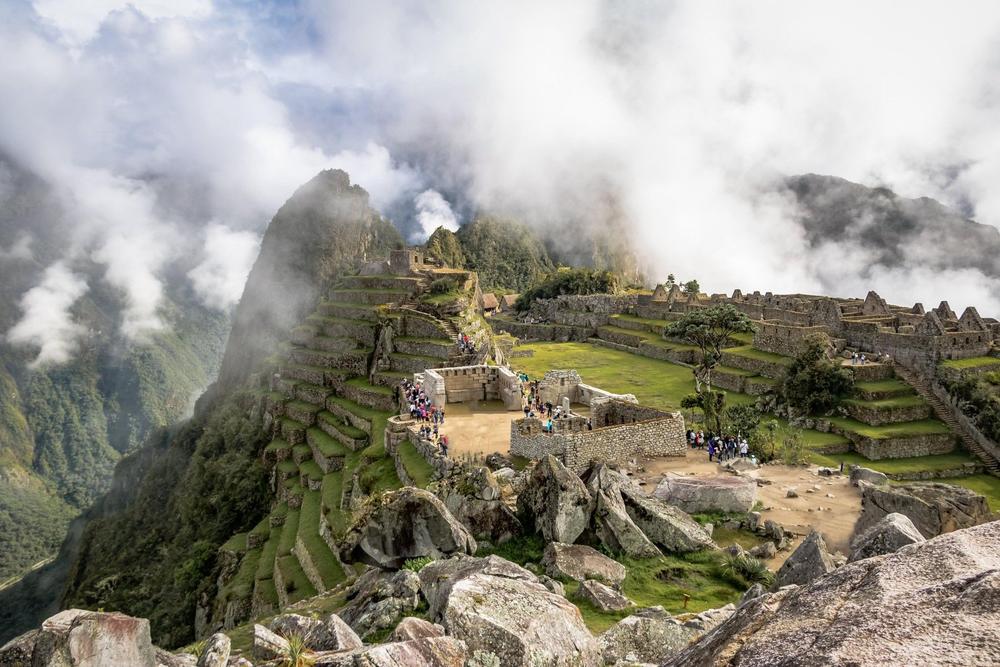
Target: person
<point>744,448</point>
<point>854,359</point>
<point>862,359</point>
<point>549,424</point>
<point>711,449</point>
<point>590,424</point>
<point>444,444</point>
<point>442,417</point>
<point>435,431</point>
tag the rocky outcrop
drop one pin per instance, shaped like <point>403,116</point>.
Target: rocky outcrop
<point>647,636</point>
<point>216,651</point>
<point>473,496</point>
<point>554,502</point>
<point>580,562</point>
<point>602,597</point>
<point>328,634</point>
<point>501,610</point>
<point>665,525</point>
<point>423,652</point>
<point>614,528</point>
<point>378,600</point>
<point>79,638</point>
<point>809,561</point>
<point>412,627</point>
<point>405,524</point>
<point>890,534</point>
<point>933,603</point>
<point>933,507</point>
<point>708,494</point>
<point>268,645</point>
<point>862,474</point>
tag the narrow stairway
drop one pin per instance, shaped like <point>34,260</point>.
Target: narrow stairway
<point>946,414</point>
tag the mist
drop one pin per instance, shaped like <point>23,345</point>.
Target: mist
<point>173,131</point>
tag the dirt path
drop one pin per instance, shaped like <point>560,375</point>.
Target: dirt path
<point>478,428</point>
<point>828,504</point>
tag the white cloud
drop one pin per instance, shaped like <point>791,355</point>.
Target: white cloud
<point>433,211</point>
<point>79,20</point>
<point>47,323</point>
<point>220,276</point>
<point>19,249</point>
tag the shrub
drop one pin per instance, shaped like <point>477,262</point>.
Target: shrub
<point>793,449</point>
<point>299,654</point>
<point>417,564</point>
<point>570,281</point>
<point>813,383</point>
<point>743,566</point>
<point>443,285</point>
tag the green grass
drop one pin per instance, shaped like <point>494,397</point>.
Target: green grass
<point>301,452</point>
<point>322,558</point>
<point>637,333</point>
<point>363,383</point>
<point>416,467</point>
<point>288,531</point>
<point>640,320</point>
<point>907,401</point>
<point>297,584</point>
<point>974,362</point>
<point>265,566</point>
<point>278,445</point>
<point>901,430</point>
<point>442,299</point>
<point>237,543</point>
<point>896,466</point>
<point>311,470</point>
<point>751,352</point>
<point>325,444</point>
<point>332,491</point>
<point>262,528</point>
<point>727,370</point>
<point>380,475</point>
<point>241,585</point>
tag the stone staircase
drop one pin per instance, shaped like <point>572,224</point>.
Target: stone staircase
<point>946,413</point>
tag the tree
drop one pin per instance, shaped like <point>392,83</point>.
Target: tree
<point>709,329</point>
<point>691,287</point>
<point>671,281</point>
<point>710,403</point>
<point>742,420</point>
<point>813,384</point>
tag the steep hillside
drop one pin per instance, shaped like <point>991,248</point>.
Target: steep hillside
<point>325,226</point>
<point>63,427</point>
<point>504,253</point>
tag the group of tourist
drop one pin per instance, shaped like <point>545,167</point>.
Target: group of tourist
<point>719,448</point>
<point>422,409</point>
<point>860,358</point>
<point>465,345</point>
<point>534,407</point>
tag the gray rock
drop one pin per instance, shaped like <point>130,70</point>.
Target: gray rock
<point>602,597</point>
<point>519,621</point>
<point>649,635</point>
<point>710,619</point>
<point>19,649</point>
<point>437,578</point>
<point>764,551</point>
<point>791,493</point>
<point>553,585</point>
<point>423,652</point>
<point>615,529</point>
<point>708,494</point>
<point>216,651</point>
<point>580,562</point>
<point>890,534</point>
<point>753,521</point>
<point>932,603</point>
<point>933,507</point>
<point>378,600</point>
<point>827,472</point>
<point>89,639</point>
<point>239,662</point>
<point>404,524</point>
<point>773,530</point>
<point>740,465</point>
<point>664,524</point>
<point>268,645</point>
<point>412,627</point>
<point>754,591</point>
<point>473,496</point>
<point>809,561</point>
<point>555,502</point>
<point>168,659</point>
<point>861,474</point>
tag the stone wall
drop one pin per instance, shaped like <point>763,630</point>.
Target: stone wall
<point>782,338</point>
<point>461,384</point>
<point>898,448</point>
<point>559,384</point>
<point>527,331</point>
<point>613,412</point>
<point>663,436</point>
<point>590,310</point>
<point>877,416</point>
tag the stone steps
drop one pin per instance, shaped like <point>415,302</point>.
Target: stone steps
<point>326,451</point>
<point>319,563</point>
<point>302,412</point>
<point>292,431</point>
<point>370,396</point>
<point>362,331</point>
<point>947,415</point>
<point>407,284</point>
<point>312,393</point>
<point>355,361</point>
<point>390,378</point>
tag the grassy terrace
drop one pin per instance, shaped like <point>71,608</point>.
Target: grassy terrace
<point>416,467</point>
<point>974,362</point>
<point>640,320</point>
<point>897,466</point>
<point>297,584</point>
<point>325,444</point>
<point>751,352</point>
<point>265,566</point>
<point>288,531</point>
<point>322,558</point>
<point>362,383</point>
<point>892,386</point>
<point>901,430</point>
<point>907,401</point>
<point>331,493</point>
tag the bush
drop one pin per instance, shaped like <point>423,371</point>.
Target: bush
<point>417,564</point>
<point>813,384</point>
<point>570,281</point>
<point>443,286</point>
<point>793,450</point>
<point>742,566</point>
<point>979,399</point>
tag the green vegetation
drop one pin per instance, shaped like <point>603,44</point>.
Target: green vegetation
<point>416,467</point>
<point>902,466</point>
<point>444,245</point>
<point>900,430</point>
<point>289,530</point>
<point>751,352</point>
<point>297,584</point>
<point>988,485</point>
<point>504,253</point>
<point>979,399</point>
<point>570,281</point>
<point>888,387</point>
<point>813,384</point>
<point>973,362</point>
<point>417,564</point>
<point>322,558</point>
<point>710,330</point>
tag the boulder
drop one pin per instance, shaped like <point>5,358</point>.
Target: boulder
<point>932,603</point>
<point>553,585</point>
<point>328,634</point>
<point>518,621</point>
<point>933,507</point>
<point>268,645</point>
<point>436,579</point>
<point>739,465</point>
<point>412,627</point>
<point>216,651</point>
<point>862,474</point>
<point>697,495</point>
<point>92,639</point>
<point>764,551</point>
<point>19,649</point>
<point>890,534</point>
<point>709,619</point>
<point>665,524</point>
<point>649,635</point>
<point>378,600</point>
<point>423,652</point>
<point>754,591</point>
<point>602,597</point>
<point>614,528</point>
<point>554,502</point>
<point>473,497</point>
<point>580,562</point>
<point>809,561</point>
<point>404,524</point>
<point>168,659</point>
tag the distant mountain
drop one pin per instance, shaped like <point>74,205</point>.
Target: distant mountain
<point>899,231</point>
<point>63,427</point>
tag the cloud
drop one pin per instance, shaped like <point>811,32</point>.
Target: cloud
<point>47,323</point>
<point>229,255</point>
<point>433,211</point>
<point>19,249</point>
